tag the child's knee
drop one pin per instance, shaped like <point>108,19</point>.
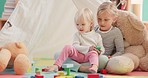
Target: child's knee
<point>93,52</point>
<point>103,58</point>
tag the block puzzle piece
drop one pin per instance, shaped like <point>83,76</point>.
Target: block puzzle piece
<point>61,73</point>
<point>67,65</point>
<point>98,47</point>
<point>67,68</point>
<point>79,76</point>
<point>55,76</point>
<point>103,71</point>
<point>93,76</point>
<point>64,77</point>
<point>39,76</point>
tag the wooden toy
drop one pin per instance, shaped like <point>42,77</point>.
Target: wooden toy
<point>93,76</point>
<point>67,68</point>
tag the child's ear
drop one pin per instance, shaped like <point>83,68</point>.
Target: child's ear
<point>92,24</point>
<point>115,19</point>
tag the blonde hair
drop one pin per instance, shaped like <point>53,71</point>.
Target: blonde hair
<point>108,7</point>
<point>86,14</point>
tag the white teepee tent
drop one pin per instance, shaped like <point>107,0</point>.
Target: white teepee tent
<point>45,26</point>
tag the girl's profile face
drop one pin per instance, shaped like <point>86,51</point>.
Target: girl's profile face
<point>82,25</point>
<point>105,20</point>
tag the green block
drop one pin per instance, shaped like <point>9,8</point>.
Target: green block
<point>98,47</point>
<point>68,71</point>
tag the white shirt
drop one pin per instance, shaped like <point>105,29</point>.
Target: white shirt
<point>83,41</point>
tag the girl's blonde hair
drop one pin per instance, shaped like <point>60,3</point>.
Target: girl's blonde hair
<point>108,7</point>
<point>86,14</point>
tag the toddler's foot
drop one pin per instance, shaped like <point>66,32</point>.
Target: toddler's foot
<point>93,69</point>
<point>51,68</point>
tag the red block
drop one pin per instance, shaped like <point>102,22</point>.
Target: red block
<point>103,71</point>
<point>109,57</point>
<point>43,70</point>
<point>93,76</point>
<point>56,76</point>
<point>39,76</point>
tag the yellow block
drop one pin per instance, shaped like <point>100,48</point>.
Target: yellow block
<point>61,73</point>
<point>64,77</point>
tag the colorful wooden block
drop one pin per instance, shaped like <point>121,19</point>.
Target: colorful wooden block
<point>55,76</point>
<point>67,68</point>
<point>43,70</point>
<point>103,71</point>
<point>61,73</point>
<point>101,76</point>
<point>38,72</point>
<point>65,77</point>
<point>79,76</point>
<point>39,76</point>
<point>67,65</point>
<point>98,47</point>
<point>37,69</point>
<point>32,77</point>
<point>93,76</point>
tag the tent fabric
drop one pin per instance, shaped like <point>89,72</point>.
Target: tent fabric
<point>45,26</point>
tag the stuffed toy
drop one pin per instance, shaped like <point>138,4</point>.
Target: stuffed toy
<point>14,55</point>
<point>136,45</point>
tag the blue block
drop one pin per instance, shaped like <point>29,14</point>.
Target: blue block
<point>101,76</point>
<point>79,77</point>
<point>32,77</point>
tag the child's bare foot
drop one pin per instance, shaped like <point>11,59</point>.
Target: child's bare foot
<point>84,69</point>
<point>51,68</point>
<point>93,69</point>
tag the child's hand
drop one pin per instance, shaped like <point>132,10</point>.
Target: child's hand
<point>99,52</point>
<point>51,68</point>
<point>93,48</point>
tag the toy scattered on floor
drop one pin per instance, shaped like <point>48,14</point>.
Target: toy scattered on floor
<point>103,71</point>
<point>67,68</point>
<point>79,76</point>
<point>38,73</point>
<point>98,47</point>
<point>61,74</point>
<point>15,55</point>
<point>93,76</point>
<point>32,77</point>
<point>31,69</point>
<point>37,76</point>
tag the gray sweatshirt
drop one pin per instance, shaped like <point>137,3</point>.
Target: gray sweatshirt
<point>112,41</point>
